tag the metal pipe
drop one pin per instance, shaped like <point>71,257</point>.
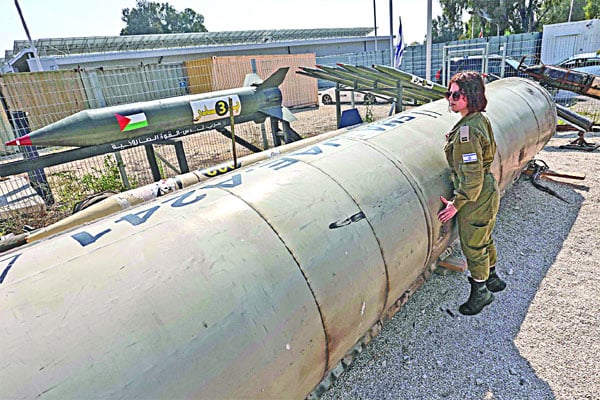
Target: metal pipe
<point>429,42</point>
<point>574,119</point>
<point>33,48</point>
<point>375,25</point>
<point>253,284</point>
<point>391,35</point>
<point>232,126</point>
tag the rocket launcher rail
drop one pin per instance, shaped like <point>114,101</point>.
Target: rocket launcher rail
<point>562,78</point>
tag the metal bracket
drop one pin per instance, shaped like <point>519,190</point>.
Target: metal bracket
<point>580,144</point>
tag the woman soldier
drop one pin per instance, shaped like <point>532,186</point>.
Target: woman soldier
<point>470,149</point>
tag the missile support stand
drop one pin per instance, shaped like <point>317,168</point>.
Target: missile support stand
<point>580,143</point>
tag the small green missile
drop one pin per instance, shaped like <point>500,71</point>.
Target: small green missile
<point>255,101</point>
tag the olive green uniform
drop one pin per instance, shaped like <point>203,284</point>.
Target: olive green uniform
<point>470,150</point>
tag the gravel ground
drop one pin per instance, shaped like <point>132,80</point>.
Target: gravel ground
<point>540,339</point>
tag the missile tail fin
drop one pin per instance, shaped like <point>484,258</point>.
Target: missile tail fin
<point>252,79</point>
<point>282,113</point>
<point>22,141</point>
<point>275,79</point>
<point>513,63</point>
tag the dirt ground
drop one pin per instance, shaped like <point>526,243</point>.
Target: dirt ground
<point>560,335</point>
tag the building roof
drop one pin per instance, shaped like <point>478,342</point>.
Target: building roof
<point>101,44</point>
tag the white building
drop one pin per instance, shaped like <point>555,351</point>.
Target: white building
<point>112,51</point>
<point>560,41</point>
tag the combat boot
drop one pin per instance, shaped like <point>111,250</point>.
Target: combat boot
<point>480,297</point>
<point>494,283</point>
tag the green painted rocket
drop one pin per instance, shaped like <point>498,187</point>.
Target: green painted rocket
<point>255,101</point>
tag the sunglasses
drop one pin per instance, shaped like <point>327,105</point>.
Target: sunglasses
<point>455,95</point>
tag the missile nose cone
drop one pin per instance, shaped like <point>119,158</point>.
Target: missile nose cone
<point>22,141</point>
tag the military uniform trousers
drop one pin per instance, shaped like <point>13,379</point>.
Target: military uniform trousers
<point>476,220</point>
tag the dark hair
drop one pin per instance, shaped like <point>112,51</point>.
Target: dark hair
<point>473,88</point>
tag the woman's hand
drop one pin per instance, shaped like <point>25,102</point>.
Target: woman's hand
<point>448,212</point>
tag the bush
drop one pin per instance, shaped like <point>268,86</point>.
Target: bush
<point>70,189</point>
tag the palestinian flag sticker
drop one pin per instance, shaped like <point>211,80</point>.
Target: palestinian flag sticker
<point>131,122</point>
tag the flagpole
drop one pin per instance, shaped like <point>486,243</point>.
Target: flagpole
<point>375,24</point>
<point>428,45</point>
<point>391,36</point>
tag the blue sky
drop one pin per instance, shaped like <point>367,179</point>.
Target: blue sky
<point>67,18</point>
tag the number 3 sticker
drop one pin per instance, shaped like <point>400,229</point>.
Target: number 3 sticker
<point>215,108</point>
<point>221,108</point>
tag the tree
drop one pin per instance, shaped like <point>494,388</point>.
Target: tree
<point>150,17</point>
<point>507,16</point>
<point>592,9</point>
<point>449,25</point>
<point>558,11</point>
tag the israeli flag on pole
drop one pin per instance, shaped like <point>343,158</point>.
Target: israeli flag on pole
<point>399,48</point>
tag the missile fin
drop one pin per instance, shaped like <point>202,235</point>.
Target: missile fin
<point>22,141</point>
<point>252,79</point>
<point>282,113</point>
<point>275,79</point>
<point>513,63</point>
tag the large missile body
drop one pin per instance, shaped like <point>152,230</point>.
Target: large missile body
<point>98,126</point>
<point>253,284</point>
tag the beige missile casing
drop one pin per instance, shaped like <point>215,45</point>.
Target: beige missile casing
<point>255,283</point>
<point>124,200</point>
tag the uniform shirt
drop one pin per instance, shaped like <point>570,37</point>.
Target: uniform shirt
<point>470,150</point>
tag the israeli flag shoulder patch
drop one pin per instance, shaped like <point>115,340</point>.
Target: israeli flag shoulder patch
<point>464,134</point>
<point>469,157</point>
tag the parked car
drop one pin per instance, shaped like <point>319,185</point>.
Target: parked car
<point>476,63</point>
<point>585,62</point>
<point>327,96</point>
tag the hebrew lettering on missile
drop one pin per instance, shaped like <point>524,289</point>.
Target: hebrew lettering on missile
<point>215,108</point>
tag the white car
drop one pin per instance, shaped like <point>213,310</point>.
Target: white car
<point>327,96</point>
<point>586,62</point>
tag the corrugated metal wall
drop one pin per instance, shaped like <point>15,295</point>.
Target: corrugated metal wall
<point>219,73</point>
<point>200,73</point>
<point>567,39</point>
<point>109,87</point>
<point>298,90</point>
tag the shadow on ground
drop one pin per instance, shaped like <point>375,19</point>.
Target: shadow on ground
<point>430,351</point>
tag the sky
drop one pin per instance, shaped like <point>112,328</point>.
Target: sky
<point>73,18</point>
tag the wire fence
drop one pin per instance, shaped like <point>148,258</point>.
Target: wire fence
<point>489,55</point>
